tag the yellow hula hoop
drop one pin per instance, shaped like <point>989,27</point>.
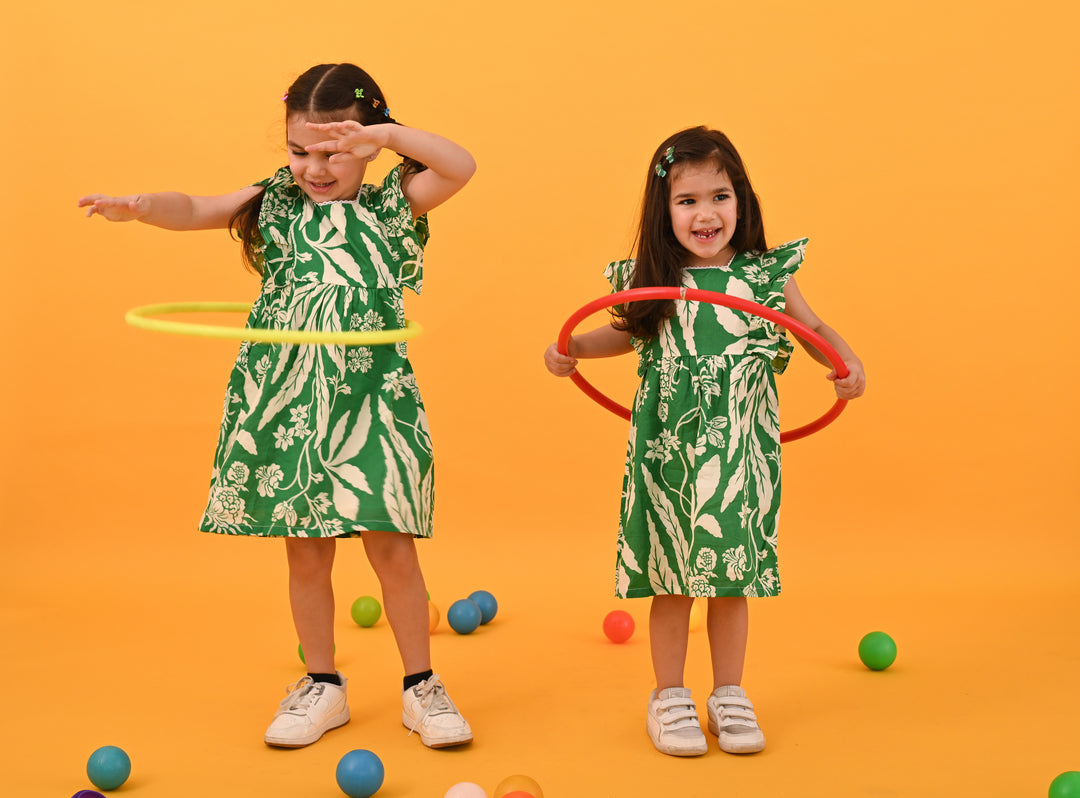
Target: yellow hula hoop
<point>142,317</point>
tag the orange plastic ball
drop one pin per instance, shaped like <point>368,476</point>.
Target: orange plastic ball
<point>433,616</point>
<point>517,785</point>
<point>618,626</point>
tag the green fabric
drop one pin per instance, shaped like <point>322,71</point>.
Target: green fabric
<point>323,441</point>
<point>701,490</point>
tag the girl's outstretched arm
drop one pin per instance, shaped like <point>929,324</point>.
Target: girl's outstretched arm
<point>170,209</point>
<point>854,384</point>
<point>449,165</point>
<point>604,341</point>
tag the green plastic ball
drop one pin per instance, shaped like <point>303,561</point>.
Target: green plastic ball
<point>366,611</point>
<point>877,651</point>
<point>300,651</point>
<point>1067,785</point>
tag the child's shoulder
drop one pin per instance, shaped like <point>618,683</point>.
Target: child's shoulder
<point>619,272</point>
<point>795,248</point>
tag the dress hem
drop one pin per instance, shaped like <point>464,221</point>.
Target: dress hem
<point>301,534</point>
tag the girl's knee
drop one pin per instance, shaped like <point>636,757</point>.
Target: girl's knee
<point>310,555</point>
<point>391,553</point>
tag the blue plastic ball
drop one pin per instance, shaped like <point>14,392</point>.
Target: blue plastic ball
<point>108,767</point>
<point>88,794</point>
<point>360,773</point>
<point>464,616</point>
<point>487,604</point>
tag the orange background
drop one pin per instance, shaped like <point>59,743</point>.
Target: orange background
<point>929,151</point>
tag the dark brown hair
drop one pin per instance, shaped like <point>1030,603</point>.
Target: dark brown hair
<point>325,93</point>
<point>659,257</point>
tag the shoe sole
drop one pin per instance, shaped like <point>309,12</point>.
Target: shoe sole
<point>442,742</point>
<point>698,750</point>
<point>730,743</point>
<point>281,742</point>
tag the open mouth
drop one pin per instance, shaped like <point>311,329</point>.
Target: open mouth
<point>320,187</point>
<point>706,235</point>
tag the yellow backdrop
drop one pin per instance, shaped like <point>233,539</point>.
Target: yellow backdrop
<point>929,151</point>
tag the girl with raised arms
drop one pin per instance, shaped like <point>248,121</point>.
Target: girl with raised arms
<point>319,443</point>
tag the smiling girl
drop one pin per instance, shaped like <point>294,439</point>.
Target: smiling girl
<point>701,488</point>
<point>325,442</point>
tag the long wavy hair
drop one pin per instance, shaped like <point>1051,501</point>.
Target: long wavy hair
<point>325,93</point>
<point>659,257</point>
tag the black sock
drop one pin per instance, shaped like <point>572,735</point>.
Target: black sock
<point>332,678</point>
<point>414,679</point>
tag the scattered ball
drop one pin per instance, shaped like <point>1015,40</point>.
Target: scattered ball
<point>464,616</point>
<point>108,767</point>
<point>88,794</point>
<point>433,616</point>
<point>877,651</point>
<point>1066,785</point>
<point>618,626</point>
<point>487,604</point>
<point>360,773</point>
<point>366,611</point>
<point>300,651</point>
<point>514,785</point>
<point>519,794</point>
<point>466,789</point>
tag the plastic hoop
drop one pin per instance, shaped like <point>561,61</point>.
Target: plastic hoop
<point>714,298</point>
<point>142,317</point>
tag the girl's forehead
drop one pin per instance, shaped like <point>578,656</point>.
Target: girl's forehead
<point>704,172</point>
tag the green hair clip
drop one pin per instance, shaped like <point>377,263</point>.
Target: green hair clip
<point>359,94</point>
<point>669,156</point>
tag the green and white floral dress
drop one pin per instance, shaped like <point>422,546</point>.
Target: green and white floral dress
<point>325,441</point>
<point>701,491</point>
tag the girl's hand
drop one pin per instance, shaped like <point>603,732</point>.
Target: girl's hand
<point>350,138</point>
<point>558,364</point>
<point>854,384</point>
<point>116,209</point>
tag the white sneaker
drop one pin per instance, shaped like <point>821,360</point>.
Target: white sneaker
<point>673,725</point>
<point>732,720</point>
<point>427,709</point>
<point>308,710</point>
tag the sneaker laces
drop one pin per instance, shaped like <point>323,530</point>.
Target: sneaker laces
<point>433,700</point>
<point>301,695</point>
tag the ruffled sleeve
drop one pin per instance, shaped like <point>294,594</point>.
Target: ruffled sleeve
<point>618,274</point>
<point>771,270</point>
<point>404,237</point>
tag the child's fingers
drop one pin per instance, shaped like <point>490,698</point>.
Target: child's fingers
<point>336,128</point>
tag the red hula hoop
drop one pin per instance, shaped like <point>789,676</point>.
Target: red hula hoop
<point>714,298</point>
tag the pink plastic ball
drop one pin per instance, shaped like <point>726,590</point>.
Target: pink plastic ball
<point>466,789</point>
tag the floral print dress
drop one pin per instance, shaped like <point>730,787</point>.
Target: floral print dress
<point>701,490</point>
<point>327,441</point>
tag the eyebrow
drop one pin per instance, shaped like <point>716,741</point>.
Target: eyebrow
<point>718,190</point>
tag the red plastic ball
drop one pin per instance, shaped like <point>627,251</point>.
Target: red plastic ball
<point>618,626</point>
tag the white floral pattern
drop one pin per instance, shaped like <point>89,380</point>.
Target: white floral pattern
<point>320,441</point>
<point>701,489</point>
